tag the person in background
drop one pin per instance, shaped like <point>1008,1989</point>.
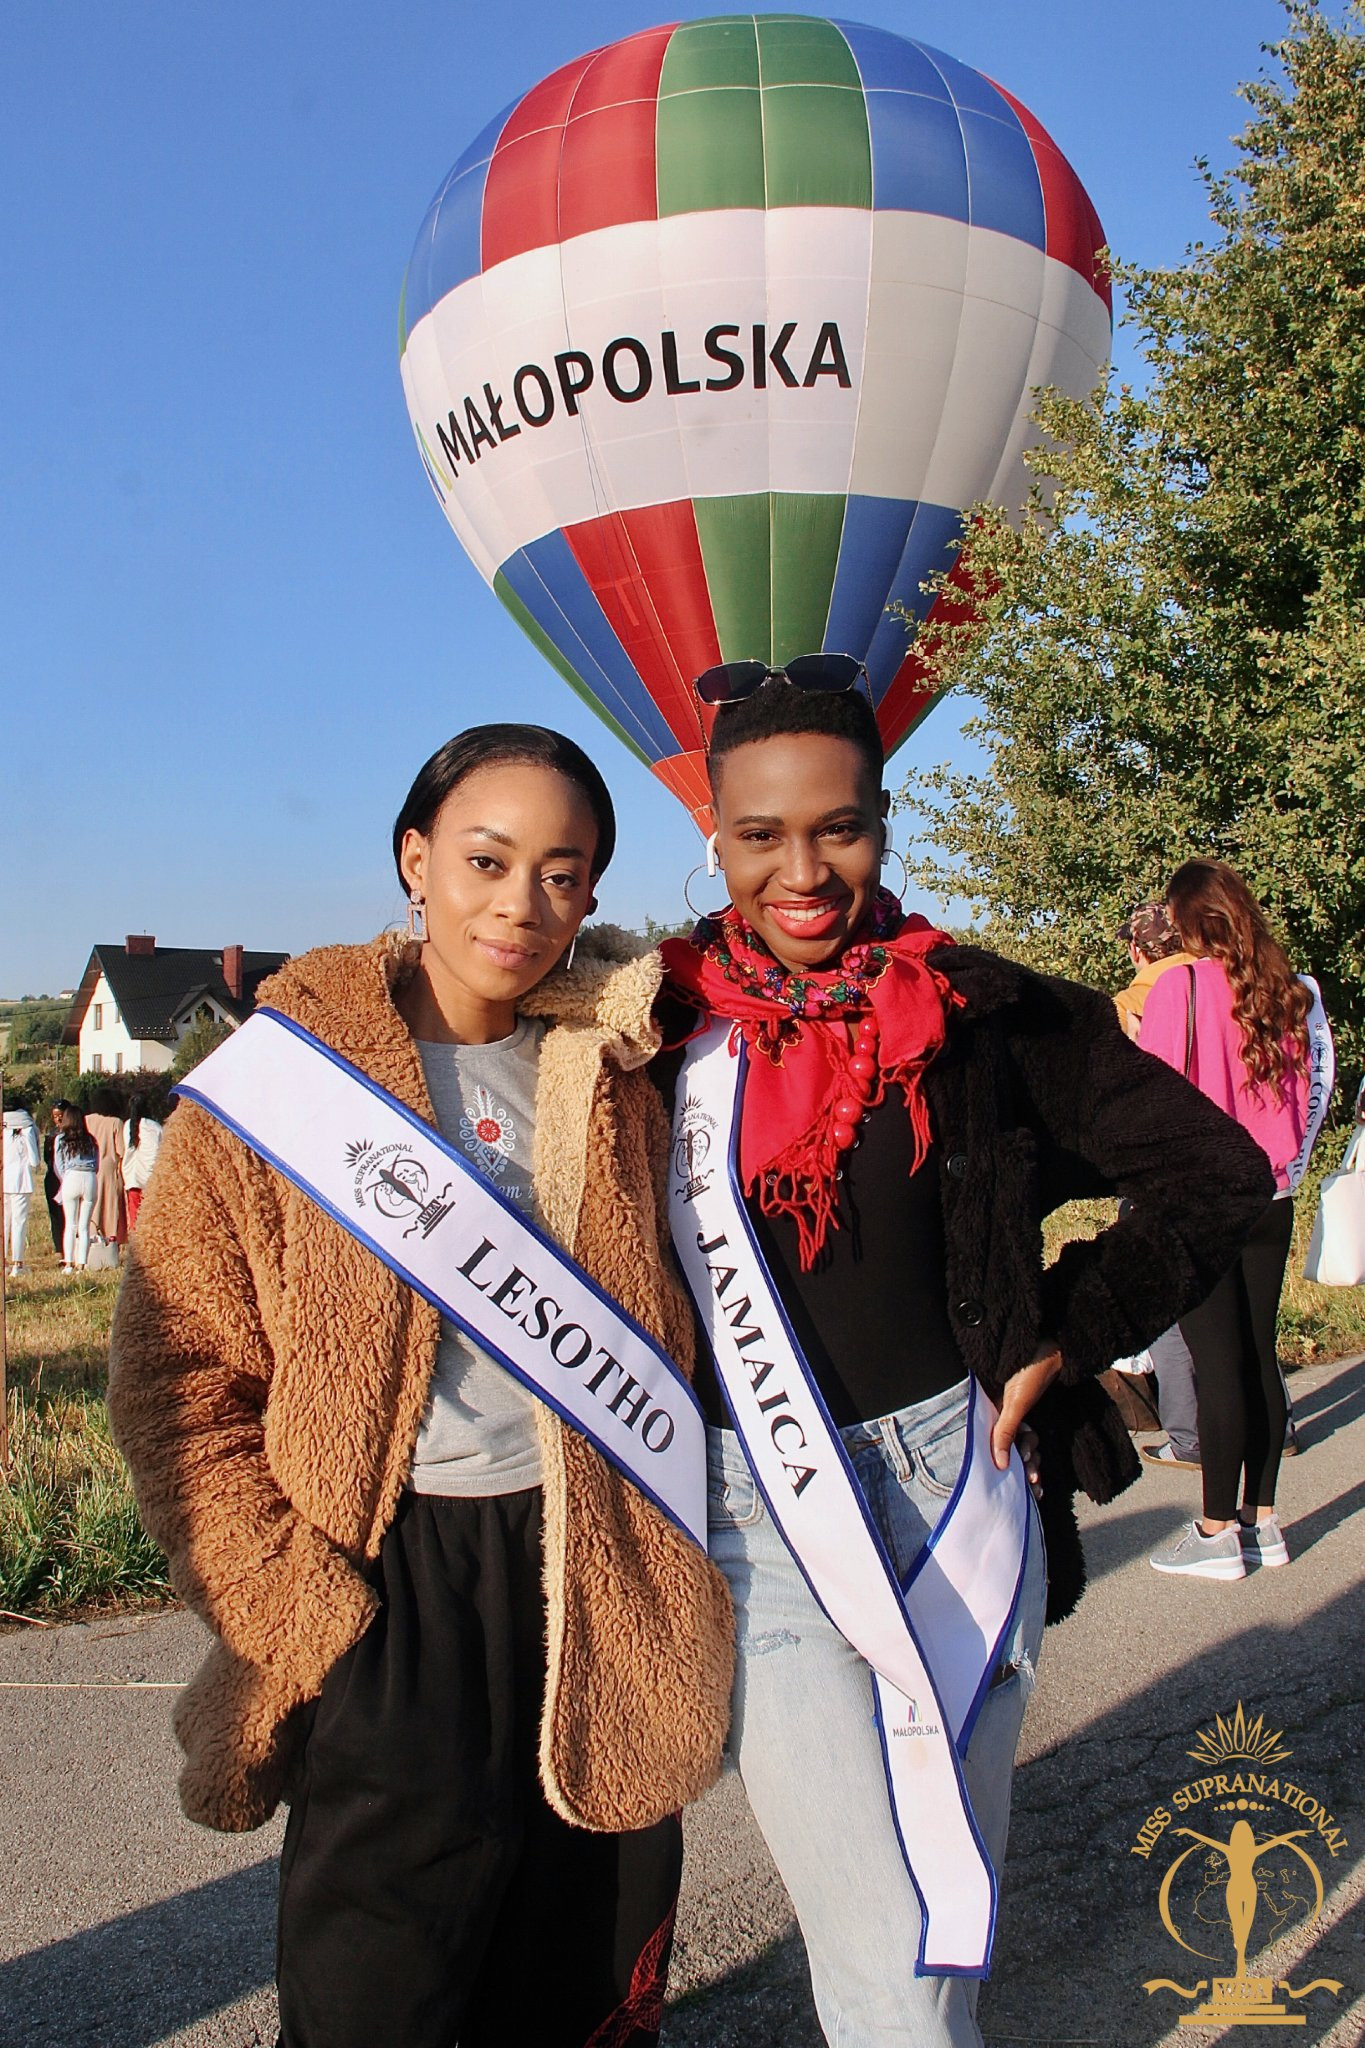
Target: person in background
<point>1177,1403</point>
<point>52,1180</point>
<point>1153,946</point>
<point>1239,1025</point>
<point>23,1157</point>
<point>104,1121</point>
<point>76,1160</point>
<point>141,1143</point>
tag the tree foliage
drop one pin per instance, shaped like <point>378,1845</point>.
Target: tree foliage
<point>1168,650</point>
<point>202,1038</point>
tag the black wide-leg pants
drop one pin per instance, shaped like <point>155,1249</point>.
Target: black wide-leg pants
<point>429,1896</point>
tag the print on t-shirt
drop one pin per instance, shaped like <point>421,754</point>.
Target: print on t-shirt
<point>488,1133</point>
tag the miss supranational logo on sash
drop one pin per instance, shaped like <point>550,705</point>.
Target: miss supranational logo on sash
<point>393,1181</point>
<point>694,1142</point>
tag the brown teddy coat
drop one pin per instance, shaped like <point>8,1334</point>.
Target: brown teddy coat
<point>268,1376</point>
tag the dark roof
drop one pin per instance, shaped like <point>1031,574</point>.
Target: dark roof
<point>153,989</point>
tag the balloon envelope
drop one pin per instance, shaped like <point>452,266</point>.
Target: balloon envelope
<point>709,339</point>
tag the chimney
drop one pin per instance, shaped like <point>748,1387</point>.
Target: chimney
<point>232,971</point>
<point>139,944</point>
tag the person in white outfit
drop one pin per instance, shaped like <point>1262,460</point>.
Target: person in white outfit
<point>76,1158</point>
<point>23,1158</point>
<point>141,1143</point>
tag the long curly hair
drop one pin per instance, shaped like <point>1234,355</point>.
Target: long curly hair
<point>1218,918</point>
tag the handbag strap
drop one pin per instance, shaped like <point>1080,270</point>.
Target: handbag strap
<point>1189,1025</point>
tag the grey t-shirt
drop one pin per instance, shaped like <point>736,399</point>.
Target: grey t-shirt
<point>478,1435</point>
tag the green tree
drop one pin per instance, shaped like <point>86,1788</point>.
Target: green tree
<point>1169,650</point>
<point>199,1041</point>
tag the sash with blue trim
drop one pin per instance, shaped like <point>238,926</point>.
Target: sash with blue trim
<point>397,1186</point>
<point>1322,1073</point>
<point>932,1643</point>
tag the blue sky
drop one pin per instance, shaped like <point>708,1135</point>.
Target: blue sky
<point>235,621</point>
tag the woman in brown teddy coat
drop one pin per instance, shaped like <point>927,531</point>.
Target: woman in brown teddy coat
<point>485,1670</point>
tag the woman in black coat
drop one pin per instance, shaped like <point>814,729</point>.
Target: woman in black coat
<point>870,1125</point>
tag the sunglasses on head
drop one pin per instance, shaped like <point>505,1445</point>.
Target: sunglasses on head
<point>731,681</point>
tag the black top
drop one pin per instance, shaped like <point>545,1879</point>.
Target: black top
<point>872,1314</point>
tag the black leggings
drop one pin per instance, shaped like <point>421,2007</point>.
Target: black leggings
<point>428,1894</point>
<point>1236,1370</point>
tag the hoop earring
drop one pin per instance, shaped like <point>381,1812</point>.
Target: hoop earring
<point>888,851</point>
<point>417,919</point>
<point>687,885</point>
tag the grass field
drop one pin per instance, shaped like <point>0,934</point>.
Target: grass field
<point>70,1539</point>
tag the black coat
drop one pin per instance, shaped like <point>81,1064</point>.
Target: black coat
<point>1037,1099</point>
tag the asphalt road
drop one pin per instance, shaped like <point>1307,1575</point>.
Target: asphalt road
<point>125,1927</point>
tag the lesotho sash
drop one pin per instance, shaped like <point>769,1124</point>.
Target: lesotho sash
<point>397,1186</point>
<point>932,1643</point>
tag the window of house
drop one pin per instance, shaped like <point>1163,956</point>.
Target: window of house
<point>118,1062</point>
<point>97,1016</point>
<point>97,1062</point>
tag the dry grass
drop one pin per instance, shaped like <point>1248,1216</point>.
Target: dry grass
<point>70,1538</point>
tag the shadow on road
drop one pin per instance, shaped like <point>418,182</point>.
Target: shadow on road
<point>1111,1544</point>
<point>147,1974</point>
<point>1322,1411</point>
<point>1311,1528</point>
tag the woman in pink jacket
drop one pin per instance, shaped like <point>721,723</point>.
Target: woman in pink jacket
<point>1250,1034</point>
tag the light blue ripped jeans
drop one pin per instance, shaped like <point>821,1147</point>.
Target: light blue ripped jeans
<point>803,1736</point>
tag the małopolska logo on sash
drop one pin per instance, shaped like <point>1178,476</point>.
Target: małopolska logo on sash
<point>396,1184</point>
<point>1240,1850</point>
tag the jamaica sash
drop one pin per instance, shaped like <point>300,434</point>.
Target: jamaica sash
<point>395,1184</point>
<point>932,1643</point>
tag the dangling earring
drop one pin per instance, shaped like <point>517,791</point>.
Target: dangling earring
<point>711,863</point>
<point>573,947</point>
<point>888,851</point>
<point>417,919</point>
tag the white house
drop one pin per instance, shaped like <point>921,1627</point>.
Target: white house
<point>136,1001</point>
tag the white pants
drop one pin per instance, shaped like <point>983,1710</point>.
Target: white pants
<point>16,1227</point>
<point>78,1206</point>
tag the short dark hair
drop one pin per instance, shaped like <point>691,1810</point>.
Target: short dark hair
<point>778,708</point>
<point>493,746</point>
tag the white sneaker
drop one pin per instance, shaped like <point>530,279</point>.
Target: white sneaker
<point>1197,1556</point>
<point>1263,1542</point>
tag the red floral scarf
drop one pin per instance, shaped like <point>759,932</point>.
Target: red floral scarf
<point>808,1088</point>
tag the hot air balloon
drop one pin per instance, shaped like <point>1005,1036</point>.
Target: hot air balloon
<point>709,339</point>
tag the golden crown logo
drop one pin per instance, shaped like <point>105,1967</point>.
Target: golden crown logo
<point>1238,1737</point>
<point>1248,1885</point>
